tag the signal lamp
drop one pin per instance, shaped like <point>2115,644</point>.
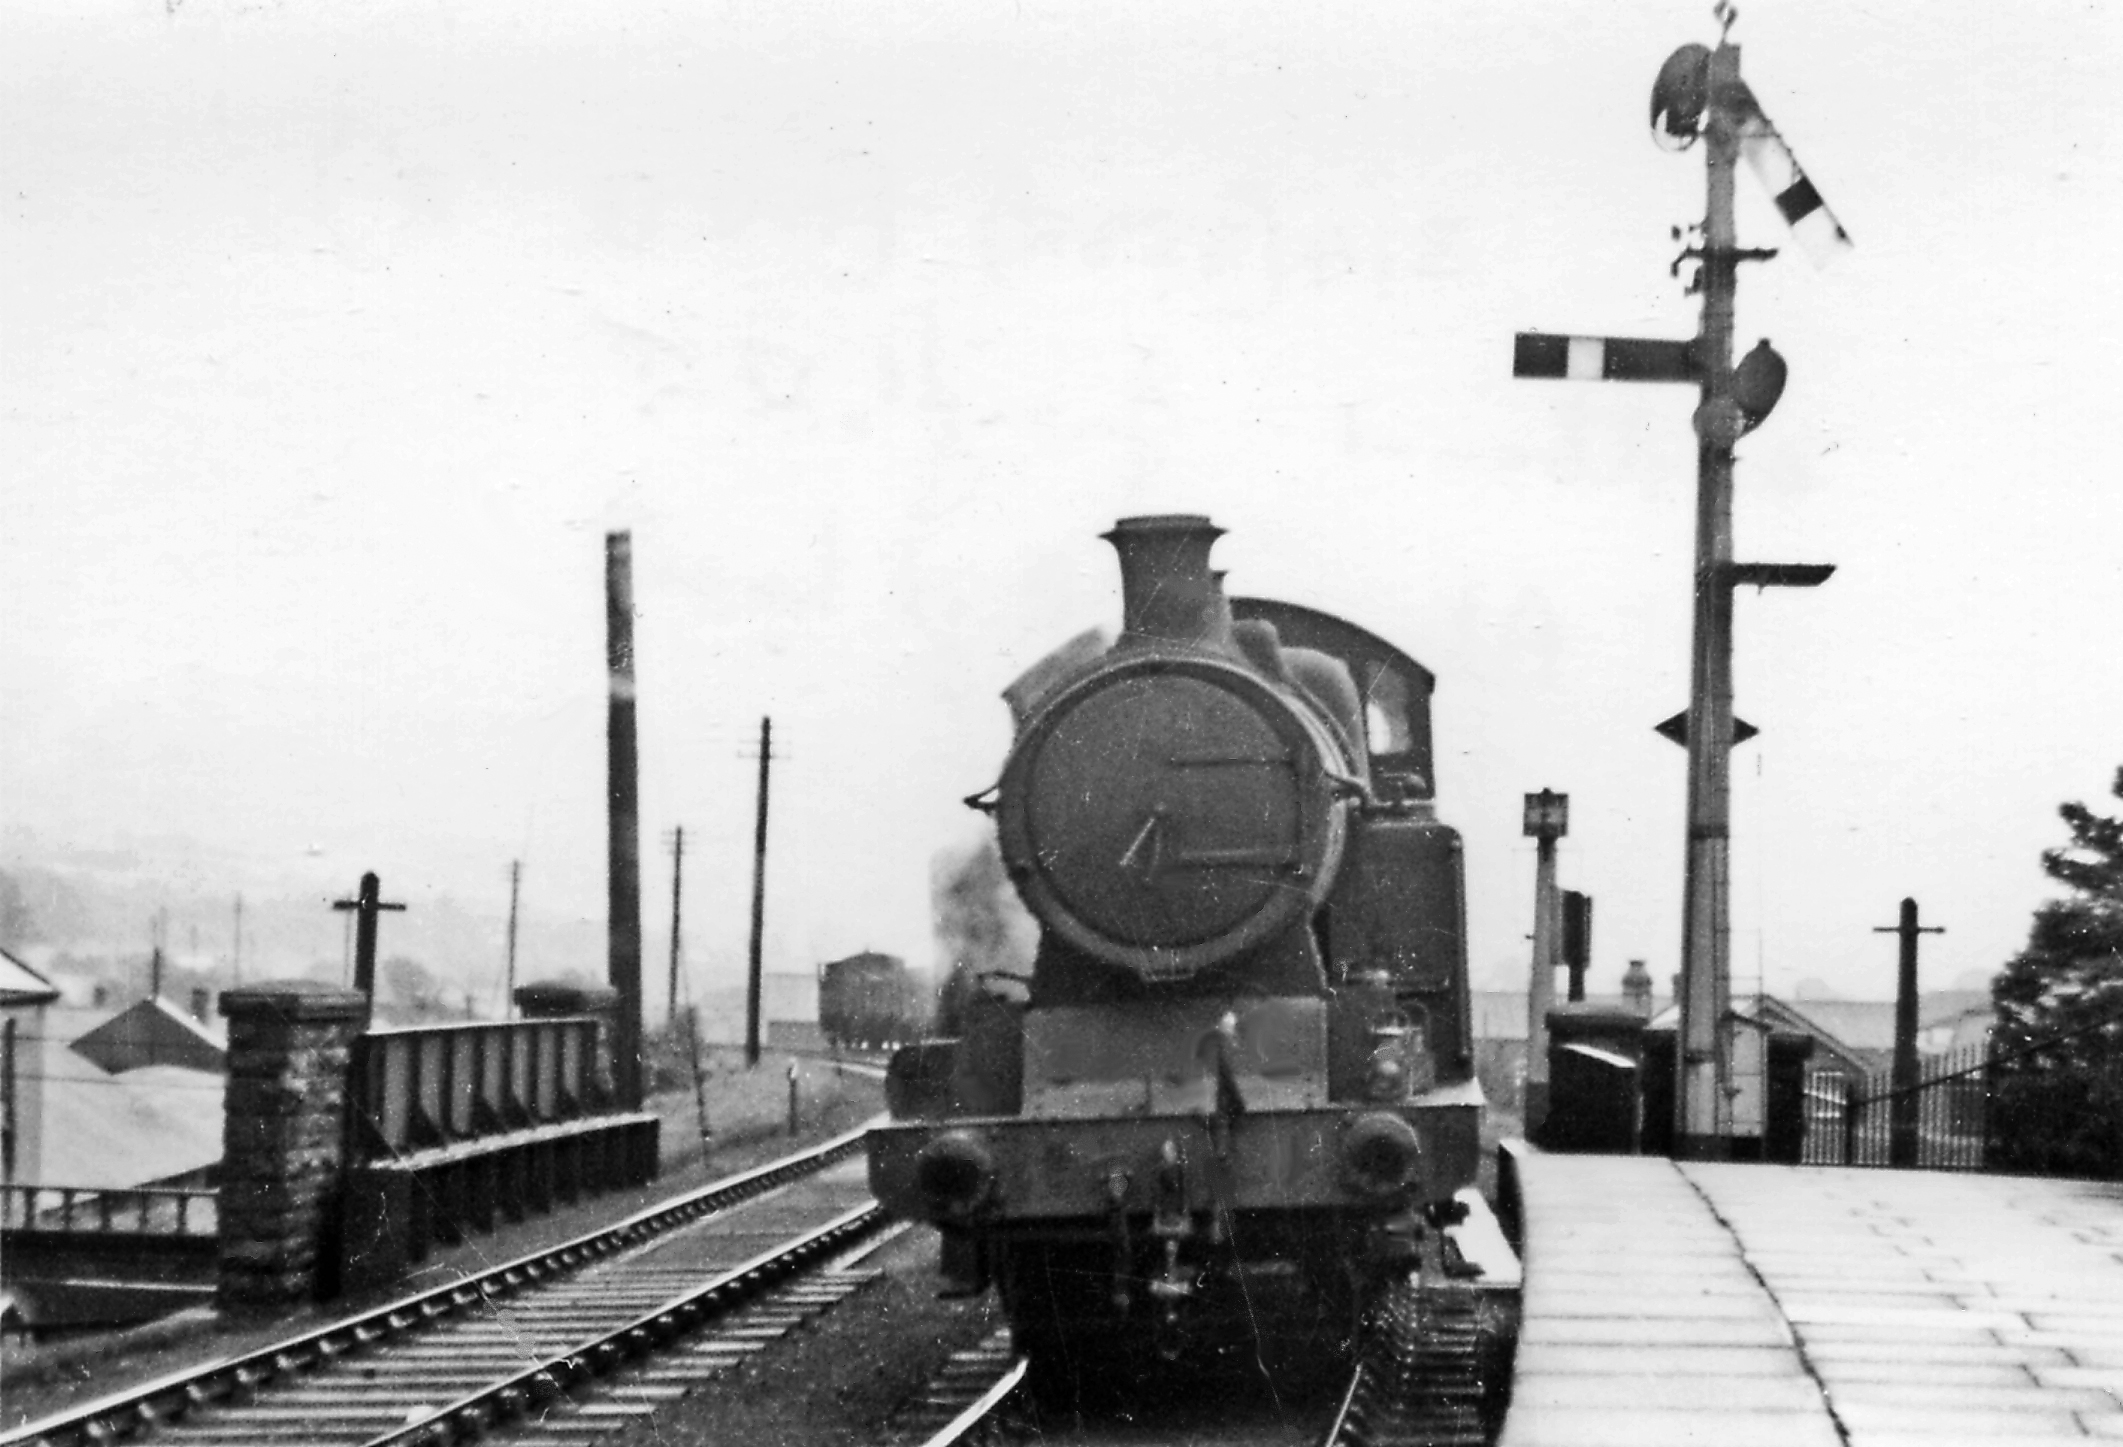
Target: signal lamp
<point>1757,383</point>
<point>1547,815</point>
<point>1678,97</point>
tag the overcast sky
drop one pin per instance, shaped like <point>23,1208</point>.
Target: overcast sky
<point>336,336</point>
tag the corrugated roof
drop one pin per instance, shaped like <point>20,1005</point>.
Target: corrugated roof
<point>143,1126</point>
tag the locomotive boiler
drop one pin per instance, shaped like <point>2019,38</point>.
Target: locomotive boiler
<point>1237,1092</point>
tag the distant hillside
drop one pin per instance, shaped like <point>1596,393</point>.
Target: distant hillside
<point>97,918</point>
<point>93,915</point>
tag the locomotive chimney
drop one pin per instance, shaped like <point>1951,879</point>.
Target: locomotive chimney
<point>1168,593</point>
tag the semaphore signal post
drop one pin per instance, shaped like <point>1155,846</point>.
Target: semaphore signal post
<point>1699,96</point>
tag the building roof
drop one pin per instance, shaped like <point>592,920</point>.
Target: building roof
<point>1501,1014</point>
<point>1859,1034</point>
<point>1780,1015</point>
<point>1869,1024</point>
<point>21,985</point>
<point>103,1130</point>
<point>1866,1025</point>
<point>149,1033</point>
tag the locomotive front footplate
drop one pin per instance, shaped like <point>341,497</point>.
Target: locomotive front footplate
<point>982,1170</point>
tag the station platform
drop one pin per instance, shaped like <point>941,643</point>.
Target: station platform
<point>1672,1303</point>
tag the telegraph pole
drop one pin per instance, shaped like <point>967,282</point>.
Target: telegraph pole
<point>1902,1102</point>
<point>154,963</point>
<point>759,894</point>
<point>678,879</point>
<point>236,947</point>
<point>1700,96</point>
<point>508,992</point>
<point>622,817</point>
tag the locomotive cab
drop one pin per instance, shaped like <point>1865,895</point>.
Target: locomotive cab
<point>1243,1071</point>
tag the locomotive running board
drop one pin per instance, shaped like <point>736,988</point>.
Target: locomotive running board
<point>1261,1161</point>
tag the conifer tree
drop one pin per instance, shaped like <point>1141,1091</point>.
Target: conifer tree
<point>2058,1089</point>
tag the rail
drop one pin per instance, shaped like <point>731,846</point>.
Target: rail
<point>132,1411</point>
<point>972,1424</point>
<point>100,1210</point>
<point>420,1086</point>
<point>529,1391</point>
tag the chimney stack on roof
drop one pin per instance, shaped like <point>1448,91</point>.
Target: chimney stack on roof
<point>1636,988</point>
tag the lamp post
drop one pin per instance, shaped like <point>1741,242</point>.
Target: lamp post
<point>1547,819</point>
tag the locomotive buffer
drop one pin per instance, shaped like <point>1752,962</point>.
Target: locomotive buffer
<point>1699,95</point>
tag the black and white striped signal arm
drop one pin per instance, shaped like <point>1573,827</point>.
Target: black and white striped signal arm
<point>1813,225</point>
<point>1603,359</point>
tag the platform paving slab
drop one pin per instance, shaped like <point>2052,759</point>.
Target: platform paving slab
<point>1731,1304</point>
<point>1536,1424</point>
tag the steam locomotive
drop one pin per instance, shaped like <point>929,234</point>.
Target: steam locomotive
<point>1237,1092</point>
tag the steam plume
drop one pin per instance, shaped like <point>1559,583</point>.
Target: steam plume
<point>982,932</point>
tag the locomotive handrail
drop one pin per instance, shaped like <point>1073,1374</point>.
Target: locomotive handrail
<point>1348,786</point>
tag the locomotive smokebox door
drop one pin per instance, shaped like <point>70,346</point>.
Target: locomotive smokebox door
<point>1169,814</point>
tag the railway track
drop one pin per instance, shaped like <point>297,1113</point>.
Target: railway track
<point>527,1342</point>
<point>1426,1378</point>
<point>970,1400</point>
<point>1423,1381</point>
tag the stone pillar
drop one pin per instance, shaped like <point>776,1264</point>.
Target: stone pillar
<point>283,1140</point>
<point>550,999</point>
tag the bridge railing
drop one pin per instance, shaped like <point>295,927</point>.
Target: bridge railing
<point>422,1086</point>
<point>133,1210</point>
<point>455,1126</point>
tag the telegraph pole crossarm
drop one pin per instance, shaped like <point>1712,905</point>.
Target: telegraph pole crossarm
<point>366,906</point>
